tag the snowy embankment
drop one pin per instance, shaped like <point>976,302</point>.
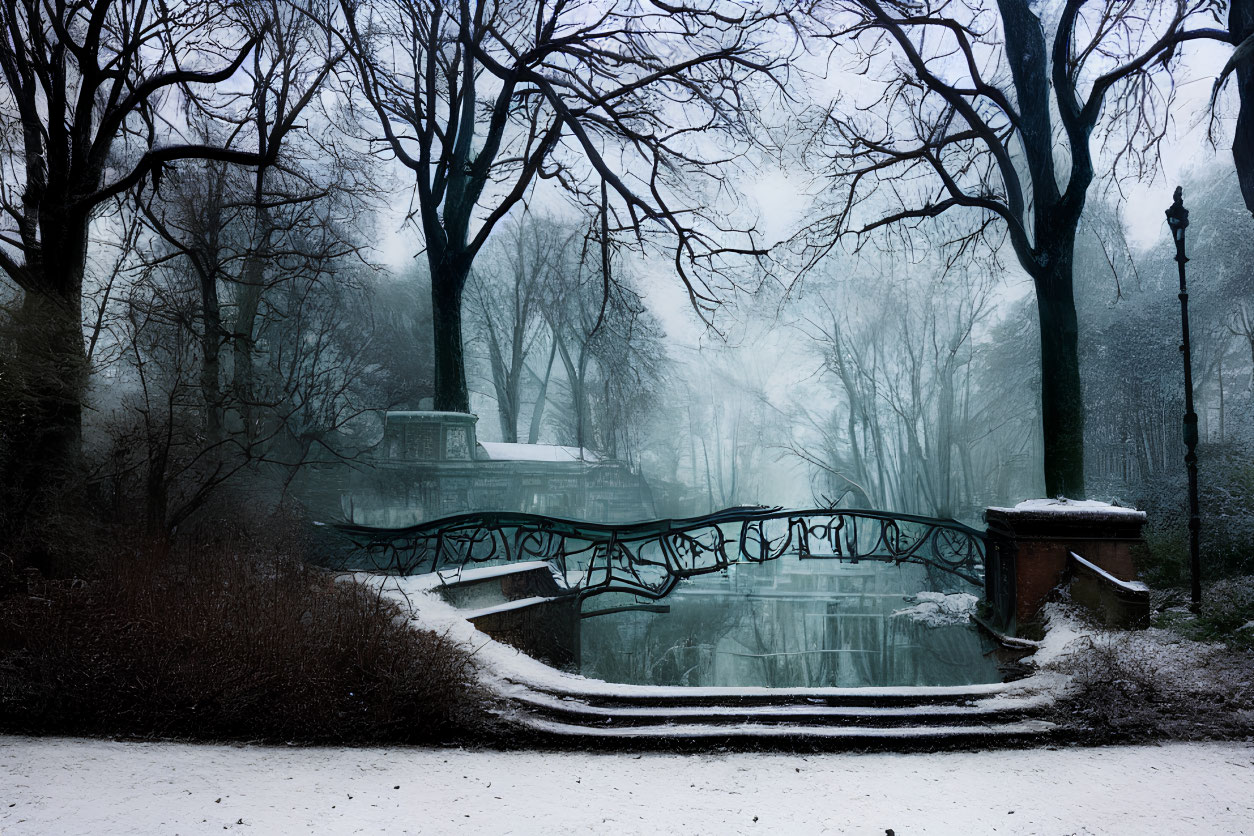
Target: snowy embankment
<point>502,665</point>
<point>1072,660</point>
<point>74,786</point>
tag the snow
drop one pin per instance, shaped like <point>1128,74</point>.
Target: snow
<point>462,575</point>
<point>74,786</point>
<point>506,606</point>
<point>503,665</point>
<point>506,451</point>
<point>1174,663</point>
<point>692,731</point>
<point>1130,586</point>
<point>427,413</point>
<point>1065,635</point>
<point>796,712</point>
<point>77,786</point>
<point>1072,507</point>
<point>936,609</point>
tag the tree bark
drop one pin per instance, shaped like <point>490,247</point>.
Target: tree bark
<point>1241,25</point>
<point>49,369</point>
<point>247,302</point>
<point>210,348</point>
<point>78,81</point>
<point>49,364</point>
<point>447,284</point>
<point>537,412</point>
<point>1062,401</point>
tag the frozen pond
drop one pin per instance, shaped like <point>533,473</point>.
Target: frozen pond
<point>794,623</point>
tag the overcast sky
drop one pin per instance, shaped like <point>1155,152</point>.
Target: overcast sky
<point>781,203</point>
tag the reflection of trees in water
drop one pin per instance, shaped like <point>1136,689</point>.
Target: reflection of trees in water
<point>787,627</point>
<point>676,648</point>
<point>681,645</point>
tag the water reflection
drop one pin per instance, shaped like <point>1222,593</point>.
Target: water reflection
<point>789,623</point>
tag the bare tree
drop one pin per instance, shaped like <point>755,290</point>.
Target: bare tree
<point>507,295</point>
<point>196,220</point>
<point>632,364</point>
<point>575,305</point>
<point>908,415</point>
<point>313,375</point>
<point>90,94</point>
<point>965,123</point>
<point>400,309</point>
<point>481,100</point>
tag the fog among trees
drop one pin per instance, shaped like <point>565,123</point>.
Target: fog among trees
<point>889,255</point>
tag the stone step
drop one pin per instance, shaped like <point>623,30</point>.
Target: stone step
<point>573,711</point>
<point>598,694</point>
<point>759,734</point>
<point>476,588</point>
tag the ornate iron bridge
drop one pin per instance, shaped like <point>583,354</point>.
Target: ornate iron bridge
<point>649,559</point>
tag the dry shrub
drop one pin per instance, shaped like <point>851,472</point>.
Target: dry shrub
<point>227,639</point>
<point>1227,612</point>
<point>1149,684</point>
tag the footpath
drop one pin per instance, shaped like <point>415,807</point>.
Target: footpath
<point>76,786</point>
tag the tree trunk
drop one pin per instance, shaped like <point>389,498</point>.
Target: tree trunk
<point>47,371</point>
<point>247,303</point>
<point>510,409</point>
<point>1062,398</point>
<point>575,371</point>
<point>1222,434</point>
<point>537,412</point>
<point>210,348</point>
<point>447,283</point>
<point>1241,25</point>
<point>508,418</point>
<point>156,488</point>
<point>943,454</point>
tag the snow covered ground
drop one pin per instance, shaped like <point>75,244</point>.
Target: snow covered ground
<point>71,786</point>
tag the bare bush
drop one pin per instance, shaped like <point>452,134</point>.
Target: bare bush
<point>1156,684</point>
<point>226,639</point>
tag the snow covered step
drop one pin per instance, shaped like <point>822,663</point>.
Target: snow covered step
<point>799,733</point>
<point>485,586</point>
<point>575,711</point>
<point>507,606</point>
<point>595,693</point>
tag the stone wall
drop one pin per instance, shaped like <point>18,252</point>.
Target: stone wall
<point>1030,546</point>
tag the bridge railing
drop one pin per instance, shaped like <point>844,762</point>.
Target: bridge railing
<point>649,559</point>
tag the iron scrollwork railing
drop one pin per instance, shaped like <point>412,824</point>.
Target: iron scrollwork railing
<point>648,559</point>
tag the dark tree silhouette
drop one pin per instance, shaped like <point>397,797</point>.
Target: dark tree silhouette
<point>89,91</point>
<point>480,100</point>
<point>1241,33</point>
<point>235,227</point>
<point>983,109</point>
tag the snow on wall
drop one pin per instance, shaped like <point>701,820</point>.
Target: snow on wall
<point>1130,586</point>
<point>1078,508</point>
<point>464,575</point>
<point>505,451</point>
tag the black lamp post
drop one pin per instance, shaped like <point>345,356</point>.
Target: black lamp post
<point>1178,220</point>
